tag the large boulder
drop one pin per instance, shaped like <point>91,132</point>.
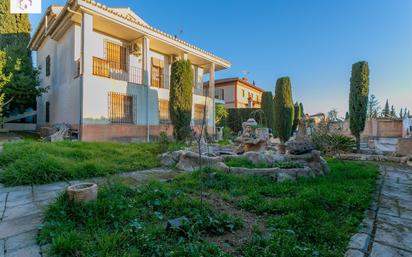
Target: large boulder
<point>299,147</point>
<point>190,161</point>
<point>170,159</point>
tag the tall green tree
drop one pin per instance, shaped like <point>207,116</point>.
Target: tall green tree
<point>386,110</point>
<point>302,111</point>
<point>181,95</point>
<point>296,117</point>
<point>358,99</point>
<point>284,109</point>
<point>18,79</point>
<point>268,109</point>
<point>401,113</point>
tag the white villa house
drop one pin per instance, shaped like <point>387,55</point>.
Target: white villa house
<point>108,72</point>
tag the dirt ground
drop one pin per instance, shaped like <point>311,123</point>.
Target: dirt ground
<point>231,242</point>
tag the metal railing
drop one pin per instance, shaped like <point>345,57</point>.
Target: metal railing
<point>114,70</point>
<point>159,79</point>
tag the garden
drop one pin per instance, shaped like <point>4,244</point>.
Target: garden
<point>213,213</point>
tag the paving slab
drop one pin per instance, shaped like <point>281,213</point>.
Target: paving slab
<point>19,197</point>
<point>380,250</point>
<point>30,251</point>
<point>20,211</point>
<point>46,195</point>
<point>22,240</point>
<point>392,225</point>
<point>2,248</point>
<point>17,226</point>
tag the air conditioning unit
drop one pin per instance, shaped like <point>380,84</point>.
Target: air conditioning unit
<point>135,48</point>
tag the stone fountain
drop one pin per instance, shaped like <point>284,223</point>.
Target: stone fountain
<point>253,138</point>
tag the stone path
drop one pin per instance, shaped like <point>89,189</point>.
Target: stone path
<point>21,209</point>
<point>387,228</point>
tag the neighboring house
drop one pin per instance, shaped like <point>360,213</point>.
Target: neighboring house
<point>108,72</point>
<point>237,93</point>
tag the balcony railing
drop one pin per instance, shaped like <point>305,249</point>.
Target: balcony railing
<point>117,71</point>
<point>160,79</point>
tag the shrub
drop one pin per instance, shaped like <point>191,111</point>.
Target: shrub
<point>358,99</point>
<point>332,143</point>
<point>296,117</point>
<point>269,110</point>
<point>181,98</point>
<point>283,109</point>
<point>237,116</point>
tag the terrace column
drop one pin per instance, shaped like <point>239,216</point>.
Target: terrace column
<point>146,79</point>
<point>212,94</point>
<point>87,44</point>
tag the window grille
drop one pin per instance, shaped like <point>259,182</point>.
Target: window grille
<point>121,108</point>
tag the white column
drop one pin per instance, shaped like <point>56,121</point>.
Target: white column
<point>146,80</point>
<point>212,94</point>
<point>87,45</point>
<point>146,61</point>
<point>185,56</point>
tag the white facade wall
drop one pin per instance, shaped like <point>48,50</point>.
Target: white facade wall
<point>64,87</point>
<point>84,99</point>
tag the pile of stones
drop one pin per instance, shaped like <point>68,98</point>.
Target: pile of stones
<point>311,163</point>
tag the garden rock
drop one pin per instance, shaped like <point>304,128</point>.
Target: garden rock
<point>170,158</point>
<point>299,147</point>
<point>189,161</point>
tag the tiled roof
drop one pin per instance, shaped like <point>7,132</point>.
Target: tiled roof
<point>244,81</point>
<point>128,18</point>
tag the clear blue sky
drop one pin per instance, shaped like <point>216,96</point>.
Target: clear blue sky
<point>313,42</point>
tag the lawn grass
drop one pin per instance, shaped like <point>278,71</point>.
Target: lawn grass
<point>309,217</point>
<point>33,162</point>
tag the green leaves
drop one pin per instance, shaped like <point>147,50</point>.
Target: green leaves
<point>358,98</point>
<point>181,98</point>
<point>284,109</point>
<point>269,110</point>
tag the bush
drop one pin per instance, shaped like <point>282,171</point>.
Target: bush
<point>283,109</point>
<point>237,116</point>
<point>332,143</point>
<point>181,98</point>
<point>269,110</point>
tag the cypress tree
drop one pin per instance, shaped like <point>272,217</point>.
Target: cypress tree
<point>302,112</point>
<point>358,99</point>
<point>283,109</point>
<point>181,98</point>
<point>401,113</point>
<point>347,116</point>
<point>296,117</point>
<point>18,80</point>
<point>386,111</point>
<point>268,109</point>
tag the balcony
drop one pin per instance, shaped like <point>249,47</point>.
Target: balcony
<point>117,71</point>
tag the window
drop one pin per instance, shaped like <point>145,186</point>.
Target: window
<point>48,65</point>
<point>199,113</point>
<point>47,112</point>
<point>220,94</point>
<point>242,91</point>
<point>164,114</point>
<point>157,72</point>
<point>116,56</point>
<point>120,108</point>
